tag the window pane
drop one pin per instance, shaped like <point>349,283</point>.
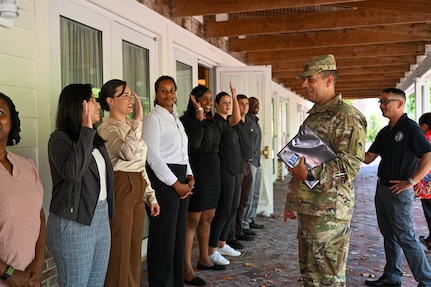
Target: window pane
<point>81,54</point>
<point>136,72</point>
<point>184,86</point>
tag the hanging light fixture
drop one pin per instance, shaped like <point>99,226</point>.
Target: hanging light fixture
<point>9,9</point>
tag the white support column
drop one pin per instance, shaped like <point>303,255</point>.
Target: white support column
<point>422,96</point>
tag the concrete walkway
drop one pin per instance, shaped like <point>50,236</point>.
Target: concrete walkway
<point>271,259</point>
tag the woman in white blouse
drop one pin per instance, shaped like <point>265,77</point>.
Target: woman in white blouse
<point>171,176</point>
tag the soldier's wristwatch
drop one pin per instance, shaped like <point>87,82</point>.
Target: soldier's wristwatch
<point>310,176</point>
<point>8,272</point>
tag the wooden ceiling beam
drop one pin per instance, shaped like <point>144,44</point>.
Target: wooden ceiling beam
<point>396,49</point>
<point>417,29</point>
<point>364,85</point>
<point>180,8</point>
<point>350,71</point>
<point>366,77</point>
<point>380,86</point>
<point>312,22</point>
<point>353,80</point>
<point>358,89</point>
<point>384,83</point>
<point>413,6</point>
<point>348,62</point>
<point>328,39</point>
<point>352,94</point>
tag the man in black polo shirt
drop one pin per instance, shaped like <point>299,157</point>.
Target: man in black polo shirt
<point>245,133</point>
<point>399,145</point>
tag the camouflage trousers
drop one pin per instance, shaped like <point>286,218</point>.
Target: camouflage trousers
<point>323,244</point>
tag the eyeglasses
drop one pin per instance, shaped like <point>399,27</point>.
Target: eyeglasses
<point>387,101</point>
<point>125,96</point>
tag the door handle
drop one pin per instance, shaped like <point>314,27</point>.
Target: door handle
<point>265,152</point>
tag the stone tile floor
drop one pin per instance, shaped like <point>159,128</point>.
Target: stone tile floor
<point>271,260</point>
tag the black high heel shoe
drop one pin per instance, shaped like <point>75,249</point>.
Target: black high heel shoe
<point>214,267</point>
<point>197,281</point>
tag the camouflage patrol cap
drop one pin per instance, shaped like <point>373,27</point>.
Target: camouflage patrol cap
<point>317,65</point>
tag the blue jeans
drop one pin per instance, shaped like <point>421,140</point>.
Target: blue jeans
<point>81,252</point>
<point>394,216</point>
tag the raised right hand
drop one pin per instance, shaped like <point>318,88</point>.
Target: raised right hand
<point>139,111</point>
<point>87,111</point>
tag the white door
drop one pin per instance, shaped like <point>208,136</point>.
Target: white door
<point>133,60</point>
<point>186,77</point>
<point>255,81</point>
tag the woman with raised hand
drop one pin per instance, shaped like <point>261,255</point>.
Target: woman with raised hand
<point>128,153</point>
<point>227,116</point>
<point>78,232</point>
<point>172,178</point>
<point>204,139</point>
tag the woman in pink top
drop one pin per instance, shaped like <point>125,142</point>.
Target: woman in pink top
<point>22,221</point>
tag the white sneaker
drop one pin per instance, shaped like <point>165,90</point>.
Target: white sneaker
<point>228,251</point>
<point>218,259</point>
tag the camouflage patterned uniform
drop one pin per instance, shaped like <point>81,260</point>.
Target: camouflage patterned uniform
<point>324,212</point>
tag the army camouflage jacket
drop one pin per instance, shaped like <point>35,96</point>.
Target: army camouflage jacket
<point>343,128</point>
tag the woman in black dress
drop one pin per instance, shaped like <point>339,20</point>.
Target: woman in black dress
<point>204,139</point>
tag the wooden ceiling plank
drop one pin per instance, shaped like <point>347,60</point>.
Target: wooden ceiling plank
<point>358,90</point>
<point>417,29</point>
<point>351,71</point>
<point>364,87</point>
<point>368,62</point>
<point>397,49</point>
<point>312,22</point>
<point>359,79</point>
<point>413,6</point>
<point>347,37</point>
<point>181,8</point>
<point>347,95</point>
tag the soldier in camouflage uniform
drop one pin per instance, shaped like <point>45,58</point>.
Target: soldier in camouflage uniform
<point>324,212</point>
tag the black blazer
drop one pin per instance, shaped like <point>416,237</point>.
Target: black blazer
<point>75,177</point>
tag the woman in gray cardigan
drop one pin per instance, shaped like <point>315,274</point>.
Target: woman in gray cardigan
<point>78,232</point>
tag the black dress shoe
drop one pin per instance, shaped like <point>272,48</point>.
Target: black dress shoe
<point>197,281</point>
<point>214,267</point>
<point>235,244</point>
<point>256,225</point>
<point>382,281</point>
<point>249,232</point>
<point>245,237</point>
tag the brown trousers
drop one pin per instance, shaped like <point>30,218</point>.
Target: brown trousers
<point>127,227</point>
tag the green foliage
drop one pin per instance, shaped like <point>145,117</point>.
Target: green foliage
<point>348,101</point>
<point>96,92</point>
<point>375,124</point>
<point>410,106</point>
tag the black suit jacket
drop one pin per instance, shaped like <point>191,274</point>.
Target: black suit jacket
<point>75,176</point>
